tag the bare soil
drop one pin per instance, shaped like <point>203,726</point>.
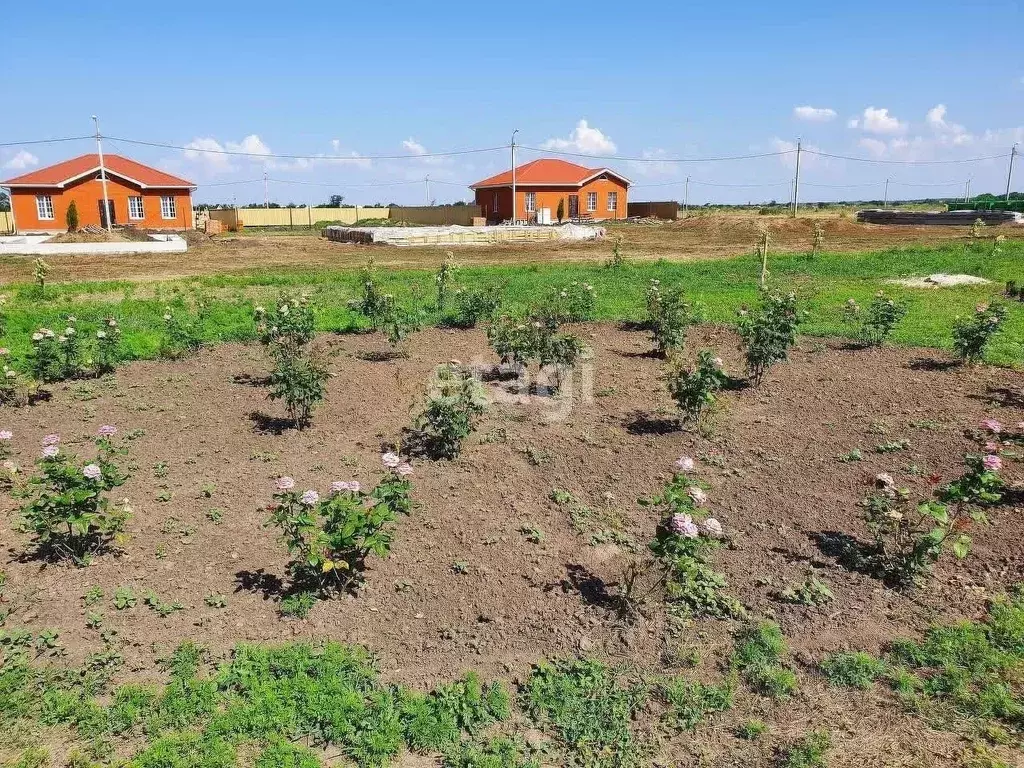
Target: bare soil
<point>771,461</point>
<point>699,237</point>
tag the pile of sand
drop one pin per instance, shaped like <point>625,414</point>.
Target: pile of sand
<point>940,280</point>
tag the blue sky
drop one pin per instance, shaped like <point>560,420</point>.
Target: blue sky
<point>914,80</point>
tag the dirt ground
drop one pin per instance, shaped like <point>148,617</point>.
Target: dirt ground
<point>207,437</point>
<point>696,238</point>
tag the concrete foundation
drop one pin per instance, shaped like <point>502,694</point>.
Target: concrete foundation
<point>455,235</point>
<point>36,245</point>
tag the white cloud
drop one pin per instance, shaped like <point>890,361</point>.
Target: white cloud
<point>878,120</point>
<point>655,165</point>
<point>413,146</point>
<point>949,133</point>
<point>853,122</point>
<point>876,147</point>
<point>21,161</point>
<point>814,114</point>
<point>583,139</point>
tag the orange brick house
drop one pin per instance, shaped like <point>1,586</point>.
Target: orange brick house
<point>136,195</point>
<point>585,193</point>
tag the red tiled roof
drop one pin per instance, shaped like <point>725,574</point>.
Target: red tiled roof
<point>61,173</point>
<point>546,171</point>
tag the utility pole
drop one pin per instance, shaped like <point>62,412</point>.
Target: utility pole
<point>686,196</point>
<point>1009,173</point>
<point>796,180</point>
<point>426,182</point>
<point>885,199</point>
<point>514,175</point>
<point>967,191</point>
<point>103,176</point>
<point>266,190</point>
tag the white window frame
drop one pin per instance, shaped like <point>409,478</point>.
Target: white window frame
<point>613,202</point>
<point>44,208</point>
<point>168,207</point>
<point>531,202</point>
<point>591,202</point>
<point>141,214</point>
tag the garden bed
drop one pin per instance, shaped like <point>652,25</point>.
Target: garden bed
<point>469,583</point>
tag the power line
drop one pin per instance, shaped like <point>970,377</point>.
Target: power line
<point>904,162</point>
<point>44,141</point>
<point>620,158</point>
<point>332,158</point>
<point>344,184</point>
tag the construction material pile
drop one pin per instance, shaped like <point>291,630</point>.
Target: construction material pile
<point>457,235</point>
<point>948,218</point>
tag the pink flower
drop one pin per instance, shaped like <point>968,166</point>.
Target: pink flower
<point>92,471</point>
<point>51,440</point>
<point>310,497</point>
<point>10,466</point>
<point>713,528</point>
<point>992,463</point>
<point>390,460</point>
<point>50,451</point>
<point>684,526</point>
<point>991,447</point>
<point>285,483</point>
<point>107,430</point>
<point>404,469</point>
<point>340,486</point>
<point>697,494</point>
<point>992,426</point>
<point>6,434</point>
<point>4,351</point>
<point>685,464</point>
<point>717,362</point>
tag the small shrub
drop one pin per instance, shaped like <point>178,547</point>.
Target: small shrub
<point>768,332</point>
<point>287,327</point>
<point>751,730</point>
<point>108,346</point>
<point>808,752</point>
<point>854,670</point>
<point>910,537</point>
<point>46,358</point>
<point>818,239</point>
<point>518,342</point>
<point>617,261</point>
<point>300,380</point>
<point>758,656</point>
<point>455,401</point>
<point>330,538</point>
<point>181,334</point>
<point>668,317</point>
<point>40,270</point>
<point>372,303</point>
<point>678,568</point>
<point>71,217</point>
<point>68,511</point>
<point>473,305</point>
<point>877,324</point>
<point>571,304</point>
<point>298,604</point>
<point>444,277</point>
<point>695,390</point>
<point>972,335</point>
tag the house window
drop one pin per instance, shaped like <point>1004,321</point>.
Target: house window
<point>613,201</point>
<point>168,210</point>
<point>591,202</point>
<point>531,202</point>
<point>135,209</point>
<point>44,207</point>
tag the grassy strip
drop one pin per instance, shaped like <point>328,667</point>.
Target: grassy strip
<point>824,282</point>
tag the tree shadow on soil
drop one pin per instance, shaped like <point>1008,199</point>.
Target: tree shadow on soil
<point>1003,396</point>
<point>591,588</point>
<point>648,354</point>
<point>932,364</point>
<point>381,355</point>
<point>266,424</point>
<point>641,423</point>
<point>634,326</point>
<point>266,584</point>
<point>248,380</point>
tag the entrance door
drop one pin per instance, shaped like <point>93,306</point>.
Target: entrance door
<point>574,206</point>
<point>109,212</point>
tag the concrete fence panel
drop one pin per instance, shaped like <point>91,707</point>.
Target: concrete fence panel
<point>436,215</point>
<point>293,217</point>
<point>668,209</point>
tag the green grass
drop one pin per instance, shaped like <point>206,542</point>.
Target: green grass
<point>808,752</point>
<point>689,703</point>
<point>964,677</point>
<point>720,286</point>
<point>590,711</point>
<point>760,657</point>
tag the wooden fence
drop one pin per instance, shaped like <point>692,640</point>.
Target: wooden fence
<point>668,209</point>
<point>293,217</point>
<point>6,222</point>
